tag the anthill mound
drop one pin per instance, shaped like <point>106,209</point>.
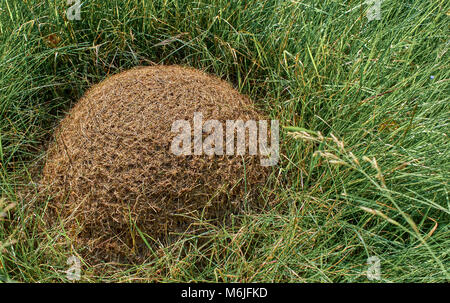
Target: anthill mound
<point>110,168</point>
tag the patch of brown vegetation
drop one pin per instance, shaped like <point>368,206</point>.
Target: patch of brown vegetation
<point>110,167</point>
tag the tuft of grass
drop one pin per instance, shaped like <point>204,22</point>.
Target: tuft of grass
<point>365,149</point>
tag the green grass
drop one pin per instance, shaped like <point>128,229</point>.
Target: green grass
<point>364,107</point>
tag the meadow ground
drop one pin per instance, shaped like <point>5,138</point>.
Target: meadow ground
<point>364,110</point>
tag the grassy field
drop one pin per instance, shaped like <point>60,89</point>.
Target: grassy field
<point>364,105</point>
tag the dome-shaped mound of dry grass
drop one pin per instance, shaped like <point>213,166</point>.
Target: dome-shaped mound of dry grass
<point>110,168</point>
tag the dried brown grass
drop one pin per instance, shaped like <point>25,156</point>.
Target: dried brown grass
<point>110,168</point>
